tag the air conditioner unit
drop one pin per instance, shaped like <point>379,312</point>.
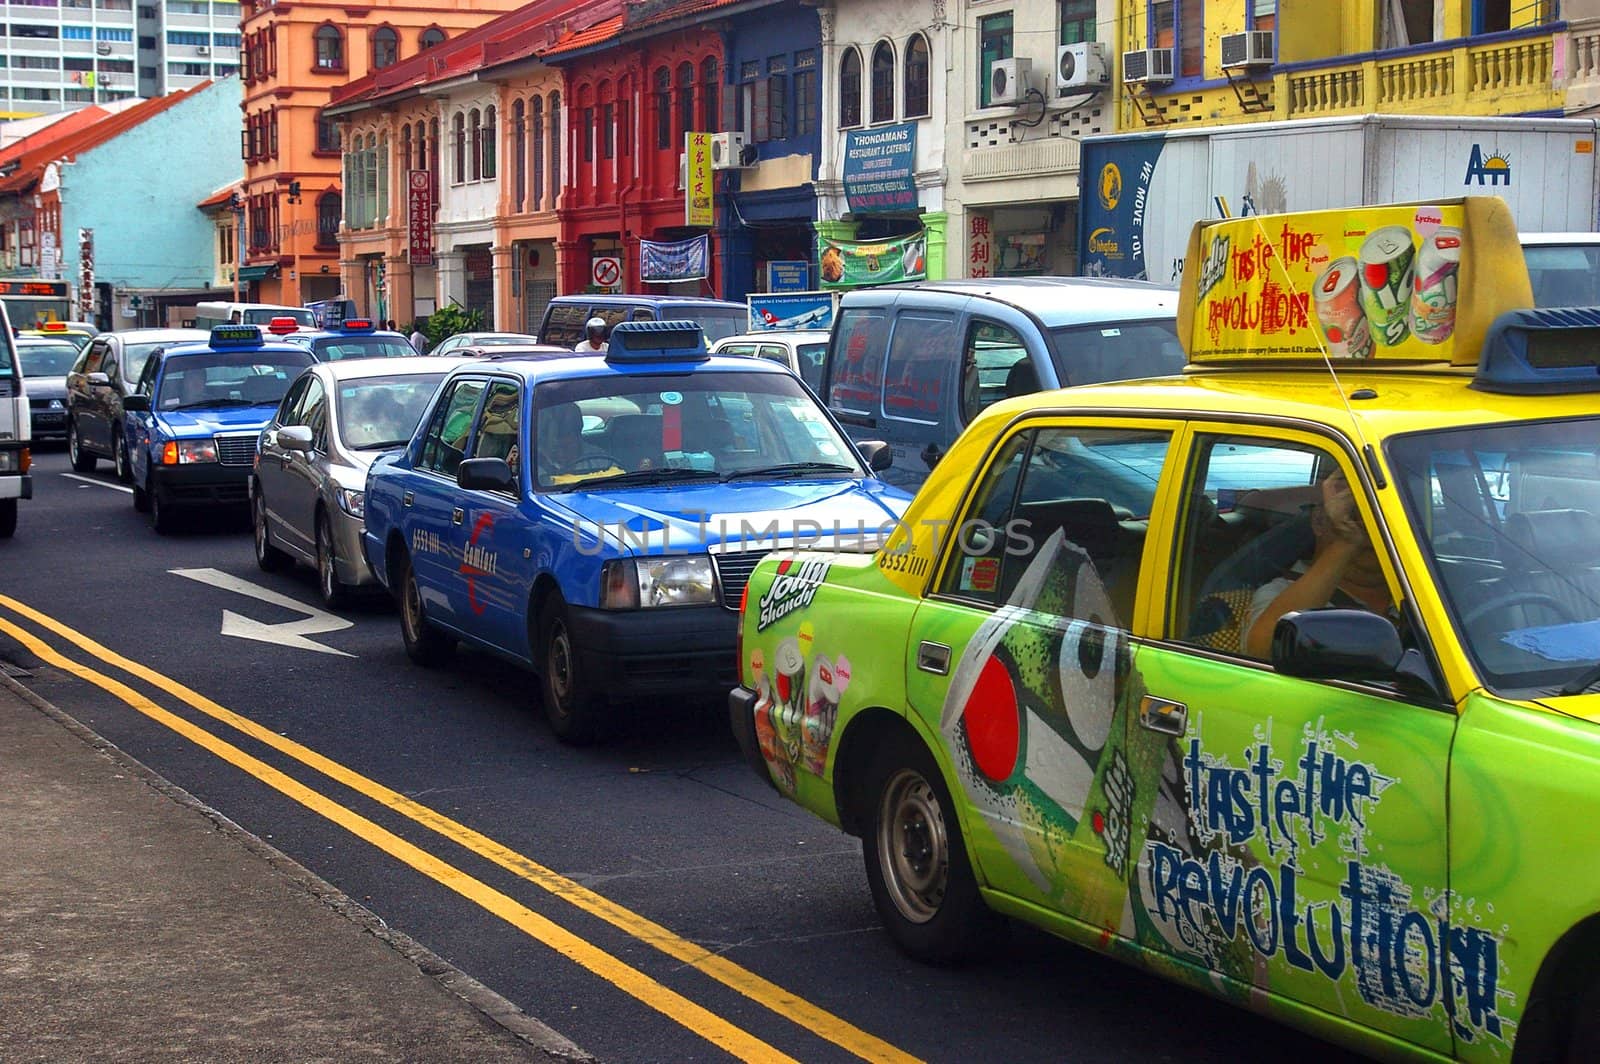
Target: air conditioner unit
<point>1152,65</point>
<point>726,150</point>
<point>1084,65</point>
<point>1008,81</point>
<point>202,49</point>
<point>102,49</point>
<point>1251,49</point>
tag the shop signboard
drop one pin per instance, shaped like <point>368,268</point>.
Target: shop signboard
<point>419,217</point>
<point>773,311</point>
<point>788,275</point>
<point>851,263</point>
<point>880,169</point>
<point>698,206</point>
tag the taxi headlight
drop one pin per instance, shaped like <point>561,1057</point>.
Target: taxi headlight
<point>353,502</point>
<point>664,581</point>
<point>196,451</point>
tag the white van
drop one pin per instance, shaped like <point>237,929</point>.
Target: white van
<point>210,315</point>
<point>15,434</point>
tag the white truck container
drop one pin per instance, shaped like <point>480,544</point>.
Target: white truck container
<point>1143,192</point>
<point>16,429</point>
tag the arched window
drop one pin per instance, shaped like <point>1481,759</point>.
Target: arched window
<point>685,100</point>
<point>385,47</point>
<point>849,89</point>
<point>381,165</point>
<point>475,124</point>
<point>917,90</point>
<point>458,130</point>
<point>422,162</point>
<point>433,157</point>
<point>711,100</point>
<point>555,147</point>
<point>663,85</point>
<point>429,37</point>
<point>536,137</point>
<point>519,156</point>
<point>330,48</point>
<point>405,150</point>
<point>883,82</point>
<point>328,220</point>
<point>490,145</point>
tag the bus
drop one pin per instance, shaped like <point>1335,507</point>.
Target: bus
<point>210,315</point>
<point>30,303</point>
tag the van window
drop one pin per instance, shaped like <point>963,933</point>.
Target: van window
<point>922,356</point>
<point>1090,354</point>
<point>1564,275</point>
<point>563,325</point>
<point>715,322</point>
<point>994,366</point>
<point>856,369</point>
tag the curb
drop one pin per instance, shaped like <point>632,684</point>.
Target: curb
<point>500,1011</point>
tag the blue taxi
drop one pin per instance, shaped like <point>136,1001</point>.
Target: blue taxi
<point>595,517</point>
<point>352,338</point>
<point>193,419</point>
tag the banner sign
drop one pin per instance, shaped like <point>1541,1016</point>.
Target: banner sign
<point>698,207</point>
<point>1402,283</point>
<point>772,312</point>
<point>788,275</point>
<point>419,217</point>
<point>86,293</point>
<point>848,263</point>
<point>880,169</point>
<point>681,260</point>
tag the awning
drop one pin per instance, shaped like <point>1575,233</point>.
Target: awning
<point>257,273</point>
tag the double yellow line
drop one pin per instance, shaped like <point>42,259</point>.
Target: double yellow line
<point>669,1003</point>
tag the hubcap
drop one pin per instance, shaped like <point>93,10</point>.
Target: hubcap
<point>72,441</point>
<point>121,458</point>
<point>411,614</point>
<point>913,849</point>
<point>260,512</point>
<point>560,666</point>
<point>325,565</point>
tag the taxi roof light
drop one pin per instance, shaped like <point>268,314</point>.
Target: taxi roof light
<point>357,325</point>
<point>235,335</point>
<point>53,326</point>
<point>283,326</point>
<point>657,341</point>
<point>1550,351</point>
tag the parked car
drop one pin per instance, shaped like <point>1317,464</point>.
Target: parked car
<point>451,345</point>
<point>69,331</point>
<point>307,498</point>
<point>595,516</point>
<point>193,420</point>
<point>105,374</point>
<point>45,365</point>
<point>1564,268</point>
<point>913,364</point>
<point>802,350</point>
<point>16,454</point>
<point>352,338</point>
<point>565,317</point>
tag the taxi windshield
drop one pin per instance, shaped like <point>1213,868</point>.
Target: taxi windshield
<point>363,347</point>
<point>231,378</point>
<point>47,360</point>
<point>626,431</point>
<point>1509,516</point>
<point>380,412</point>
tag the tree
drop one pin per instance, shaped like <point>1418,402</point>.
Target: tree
<point>447,321</point>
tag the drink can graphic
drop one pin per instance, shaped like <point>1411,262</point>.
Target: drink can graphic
<point>789,683</point>
<point>1387,262</point>
<point>822,709</point>
<point>766,733</point>
<point>1433,296</point>
<point>1344,323</point>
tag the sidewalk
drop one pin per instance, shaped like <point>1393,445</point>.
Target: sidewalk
<point>137,925</point>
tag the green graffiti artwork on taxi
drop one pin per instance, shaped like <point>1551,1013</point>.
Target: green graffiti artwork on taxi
<point>1276,678</point>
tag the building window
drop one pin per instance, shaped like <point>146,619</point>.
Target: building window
<point>685,100</point>
<point>490,145</point>
<point>458,131</point>
<point>917,84</point>
<point>475,124</point>
<point>327,135</point>
<point>1077,20</point>
<point>711,95</point>
<point>883,82</point>
<point>849,89</point>
<point>555,146</point>
<point>663,94</point>
<point>519,156</point>
<point>385,47</point>
<point>536,136</point>
<point>624,128</point>
<point>588,134</point>
<point>330,48</point>
<point>777,100</point>
<point>608,131</point>
<point>272,132</point>
<point>431,36</point>
<point>328,220</point>
<point>994,43</point>
<point>1264,15</point>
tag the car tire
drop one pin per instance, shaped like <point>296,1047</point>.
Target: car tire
<point>141,498</point>
<point>8,518</point>
<point>119,457</point>
<point>269,559</point>
<point>162,516</point>
<point>335,593</point>
<point>425,644</point>
<point>1583,1032</point>
<point>922,882</point>
<point>82,461</point>
<point>576,715</point>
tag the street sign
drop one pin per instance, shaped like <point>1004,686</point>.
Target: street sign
<point>606,272</point>
<point>789,275</point>
<point>419,217</point>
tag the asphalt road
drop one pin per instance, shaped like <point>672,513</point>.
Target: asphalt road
<point>650,899</point>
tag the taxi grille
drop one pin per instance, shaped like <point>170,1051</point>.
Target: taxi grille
<point>733,573</point>
<point>236,450</point>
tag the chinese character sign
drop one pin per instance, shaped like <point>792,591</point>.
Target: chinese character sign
<point>980,248</point>
<point>697,191</point>
<point>419,217</point>
<point>86,273</point>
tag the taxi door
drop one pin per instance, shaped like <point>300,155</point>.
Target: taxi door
<point>431,509</point>
<point>1021,657</point>
<point>1296,842</point>
<point>489,533</point>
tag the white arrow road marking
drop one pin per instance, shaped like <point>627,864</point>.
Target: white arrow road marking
<point>288,633</point>
<point>100,483</point>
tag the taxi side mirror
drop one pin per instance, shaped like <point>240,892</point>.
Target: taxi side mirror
<point>878,455</point>
<point>136,404</point>
<point>1355,645</point>
<point>485,474</point>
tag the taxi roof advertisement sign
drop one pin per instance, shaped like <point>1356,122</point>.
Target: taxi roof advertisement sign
<point>1417,282</point>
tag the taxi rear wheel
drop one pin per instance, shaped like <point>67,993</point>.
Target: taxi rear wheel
<point>575,714</point>
<point>922,882</point>
<point>425,644</point>
<point>82,461</point>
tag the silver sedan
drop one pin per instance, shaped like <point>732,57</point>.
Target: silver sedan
<point>307,494</point>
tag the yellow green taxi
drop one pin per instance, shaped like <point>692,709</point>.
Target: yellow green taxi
<point>1280,677</point>
<point>60,330</point>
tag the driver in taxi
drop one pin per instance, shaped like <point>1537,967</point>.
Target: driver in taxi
<point>561,455</point>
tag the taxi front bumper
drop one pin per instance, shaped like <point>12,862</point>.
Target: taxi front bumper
<point>742,718</point>
<point>201,484</point>
<point>685,651</point>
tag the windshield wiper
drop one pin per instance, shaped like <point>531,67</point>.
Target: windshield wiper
<point>789,469</point>
<point>1583,681</point>
<point>218,402</point>
<point>648,476</point>
<point>385,445</point>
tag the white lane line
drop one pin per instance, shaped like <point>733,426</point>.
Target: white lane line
<point>285,633</point>
<point>100,483</point>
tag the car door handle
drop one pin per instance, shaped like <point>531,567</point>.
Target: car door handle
<point>285,457</point>
<point>933,657</point>
<point>457,515</point>
<point>1164,716</point>
<point>408,498</point>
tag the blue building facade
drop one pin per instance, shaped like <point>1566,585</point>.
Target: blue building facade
<point>137,191</point>
<point>773,94</point>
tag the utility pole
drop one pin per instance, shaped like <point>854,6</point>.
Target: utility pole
<point>236,202</point>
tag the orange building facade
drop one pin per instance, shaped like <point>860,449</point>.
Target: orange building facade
<point>292,57</point>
